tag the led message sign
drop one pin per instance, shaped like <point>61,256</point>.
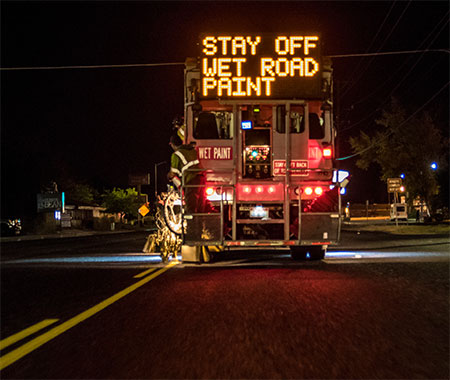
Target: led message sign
<point>260,66</point>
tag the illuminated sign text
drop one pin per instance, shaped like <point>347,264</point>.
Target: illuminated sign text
<point>214,153</point>
<point>279,167</point>
<point>260,66</point>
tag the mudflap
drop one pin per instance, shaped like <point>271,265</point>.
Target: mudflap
<point>320,227</point>
<point>191,254</point>
<point>205,228</point>
<point>199,253</point>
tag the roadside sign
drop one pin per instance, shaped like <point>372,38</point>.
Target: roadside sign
<point>66,221</point>
<point>138,179</point>
<point>49,202</point>
<point>394,184</point>
<point>143,210</point>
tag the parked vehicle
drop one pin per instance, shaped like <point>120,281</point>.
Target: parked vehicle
<point>11,227</point>
<point>399,211</point>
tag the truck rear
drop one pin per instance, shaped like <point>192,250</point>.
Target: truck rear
<point>259,111</point>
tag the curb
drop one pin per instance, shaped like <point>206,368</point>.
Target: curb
<point>78,234</point>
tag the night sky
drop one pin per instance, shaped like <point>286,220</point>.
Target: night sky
<point>99,125</point>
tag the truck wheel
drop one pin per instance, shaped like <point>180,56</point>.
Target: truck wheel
<point>307,253</point>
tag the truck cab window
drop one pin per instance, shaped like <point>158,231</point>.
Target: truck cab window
<point>316,127</point>
<point>297,119</point>
<point>213,125</point>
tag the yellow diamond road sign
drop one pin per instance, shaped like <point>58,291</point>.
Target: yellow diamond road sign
<point>144,210</point>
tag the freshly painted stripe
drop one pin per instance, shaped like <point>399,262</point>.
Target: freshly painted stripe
<point>24,333</point>
<point>32,345</point>
<point>145,273</point>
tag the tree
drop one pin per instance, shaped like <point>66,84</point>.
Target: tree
<point>125,202</point>
<point>80,194</point>
<point>407,143</point>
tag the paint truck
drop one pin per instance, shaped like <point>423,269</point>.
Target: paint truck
<point>259,110</point>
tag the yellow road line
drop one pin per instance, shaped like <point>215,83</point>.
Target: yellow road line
<point>145,273</point>
<point>32,345</point>
<point>24,333</point>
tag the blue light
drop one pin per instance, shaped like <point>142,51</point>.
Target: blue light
<point>402,176</point>
<point>58,215</point>
<point>308,255</point>
<point>343,190</point>
<point>124,258</point>
<point>254,153</point>
<point>246,124</point>
<point>433,165</point>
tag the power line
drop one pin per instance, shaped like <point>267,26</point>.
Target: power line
<point>406,61</point>
<point>375,37</point>
<point>359,75</point>
<point>388,53</point>
<point>404,76</point>
<point>392,130</point>
<point>91,66</point>
<point>183,63</point>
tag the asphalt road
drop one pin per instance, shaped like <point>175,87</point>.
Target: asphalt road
<point>377,307</point>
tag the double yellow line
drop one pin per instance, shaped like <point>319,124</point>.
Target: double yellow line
<point>35,343</point>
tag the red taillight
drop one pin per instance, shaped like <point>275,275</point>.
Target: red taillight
<point>308,191</point>
<point>209,191</point>
<point>327,152</point>
<point>318,190</point>
<point>259,189</point>
<point>247,189</point>
<point>271,189</point>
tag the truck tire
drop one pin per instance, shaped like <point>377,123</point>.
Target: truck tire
<point>307,253</point>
